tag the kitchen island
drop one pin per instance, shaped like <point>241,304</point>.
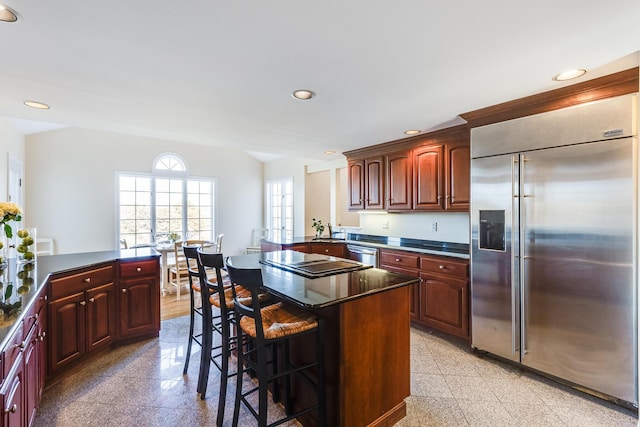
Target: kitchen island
<point>366,315</point>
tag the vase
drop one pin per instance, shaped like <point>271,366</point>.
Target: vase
<point>4,249</point>
<point>318,234</point>
<point>25,242</point>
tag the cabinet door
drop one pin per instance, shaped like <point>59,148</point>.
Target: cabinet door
<point>428,173</point>
<point>13,396</point>
<point>374,183</point>
<point>31,374</point>
<point>444,304</point>
<point>139,306</point>
<point>66,330</point>
<point>399,180</point>
<point>41,349</point>
<point>356,185</point>
<point>457,176</point>
<point>101,310</point>
<point>414,308</point>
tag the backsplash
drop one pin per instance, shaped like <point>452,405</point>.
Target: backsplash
<point>450,226</point>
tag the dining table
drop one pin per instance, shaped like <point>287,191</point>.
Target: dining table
<point>367,320</point>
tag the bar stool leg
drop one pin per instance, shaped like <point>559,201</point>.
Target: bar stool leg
<point>224,374</point>
<point>239,377</point>
<point>205,356</point>
<point>191,328</point>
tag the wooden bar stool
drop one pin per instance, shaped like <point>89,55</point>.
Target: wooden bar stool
<point>267,326</point>
<point>218,293</point>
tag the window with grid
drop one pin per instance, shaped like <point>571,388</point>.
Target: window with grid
<point>280,208</point>
<point>167,202</point>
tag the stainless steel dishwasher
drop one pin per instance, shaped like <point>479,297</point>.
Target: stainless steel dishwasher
<point>363,254</point>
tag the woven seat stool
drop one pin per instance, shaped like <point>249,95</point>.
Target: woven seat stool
<point>267,327</point>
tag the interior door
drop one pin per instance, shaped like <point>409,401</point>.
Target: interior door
<point>494,248</point>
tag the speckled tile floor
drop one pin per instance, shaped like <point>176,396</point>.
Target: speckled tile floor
<point>142,384</point>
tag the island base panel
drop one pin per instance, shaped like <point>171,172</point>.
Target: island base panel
<point>367,356</point>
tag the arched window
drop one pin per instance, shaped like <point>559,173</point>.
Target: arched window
<point>166,204</point>
<point>169,163</point>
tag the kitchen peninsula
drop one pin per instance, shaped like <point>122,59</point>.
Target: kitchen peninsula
<point>366,314</point>
<point>61,309</point>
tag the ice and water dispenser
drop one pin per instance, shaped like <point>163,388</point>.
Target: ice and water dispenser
<point>492,230</point>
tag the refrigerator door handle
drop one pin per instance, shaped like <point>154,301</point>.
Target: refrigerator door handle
<point>523,256</point>
<point>515,297</point>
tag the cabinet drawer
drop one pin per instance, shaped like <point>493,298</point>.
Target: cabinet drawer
<point>331,249</point>
<point>399,259</point>
<point>139,268</point>
<point>12,351</point>
<point>79,282</point>
<point>445,266</point>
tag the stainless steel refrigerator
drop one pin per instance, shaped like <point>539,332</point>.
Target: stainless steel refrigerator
<point>554,241</point>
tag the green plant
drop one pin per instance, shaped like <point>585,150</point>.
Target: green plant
<point>318,225</point>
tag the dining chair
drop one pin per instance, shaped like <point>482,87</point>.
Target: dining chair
<point>179,271</point>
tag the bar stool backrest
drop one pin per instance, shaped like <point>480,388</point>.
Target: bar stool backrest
<point>211,260</point>
<point>250,279</point>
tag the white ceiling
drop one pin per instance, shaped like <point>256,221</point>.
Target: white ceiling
<point>221,72</point>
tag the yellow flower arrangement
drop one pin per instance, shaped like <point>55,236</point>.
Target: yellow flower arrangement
<point>9,212</point>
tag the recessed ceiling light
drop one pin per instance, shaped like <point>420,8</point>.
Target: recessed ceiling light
<point>36,104</point>
<point>329,152</point>
<point>7,14</point>
<point>303,94</point>
<point>411,132</point>
<point>570,74</point>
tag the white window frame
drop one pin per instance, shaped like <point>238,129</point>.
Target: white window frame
<point>282,233</point>
<point>177,171</point>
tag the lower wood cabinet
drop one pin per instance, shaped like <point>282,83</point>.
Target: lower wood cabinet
<point>139,302</point>
<point>12,393</point>
<point>444,304</point>
<point>441,300</point>
<point>71,316</point>
<point>83,321</point>
<point>23,368</point>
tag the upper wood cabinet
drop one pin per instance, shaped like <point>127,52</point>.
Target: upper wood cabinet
<point>366,183</point>
<point>457,176</point>
<point>428,183</point>
<point>399,180</point>
<point>426,173</point>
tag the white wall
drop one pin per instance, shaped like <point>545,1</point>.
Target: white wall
<point>11,143</point>
<point>71,185</point>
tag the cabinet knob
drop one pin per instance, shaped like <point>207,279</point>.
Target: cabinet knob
<point>13,409</point>
<point>21,345</point>
<point>139,269</point>
<point>124,291</point>
<point>87,280</point>
<point>442,267</point>
<point>92,299</point>
<point>83,303</point>
<point>326,250</point>
<point>44,298</point>
<point>42,335</point>
<point>397,259</point>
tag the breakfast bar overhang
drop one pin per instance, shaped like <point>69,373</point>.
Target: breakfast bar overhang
<point>367,349</point>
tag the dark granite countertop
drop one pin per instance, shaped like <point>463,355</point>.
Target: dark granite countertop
<point>22,283</point>
<point>322,291</point>
<point>432,247</point>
